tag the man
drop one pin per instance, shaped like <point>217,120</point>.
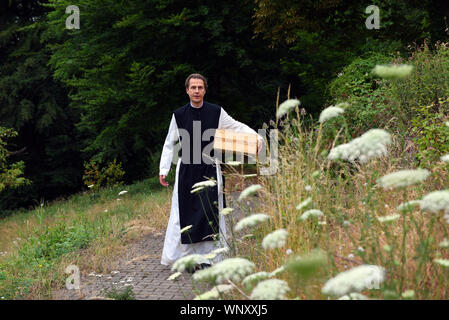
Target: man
<point>197,212</point>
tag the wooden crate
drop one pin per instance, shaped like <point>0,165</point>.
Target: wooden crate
<point>236,142</point>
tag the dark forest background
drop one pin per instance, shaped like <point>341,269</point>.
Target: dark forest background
<point>106,91</point>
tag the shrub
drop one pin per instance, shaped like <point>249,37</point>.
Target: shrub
<point>96,177</point>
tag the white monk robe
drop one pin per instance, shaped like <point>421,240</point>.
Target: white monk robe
<point>173,248</point>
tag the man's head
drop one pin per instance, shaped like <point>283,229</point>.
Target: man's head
<point>196,86</point>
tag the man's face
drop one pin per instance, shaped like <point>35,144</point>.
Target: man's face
<point>196,91</point>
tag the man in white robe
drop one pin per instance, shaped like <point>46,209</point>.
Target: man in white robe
<point>174,249</point>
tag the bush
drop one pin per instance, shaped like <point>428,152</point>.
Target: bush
<point>96,177</point>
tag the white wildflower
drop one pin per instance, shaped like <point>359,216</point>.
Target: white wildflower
<point>408,206</point>
<point>249,191</point>
<point>205,184</point>
<point>286,106</point>
<point>408,294</point>
<point>360,249</point>
<point>444,243</point>
<point>197,190</point>
<point>288,251</point>
<point>251,280</point>
<point>390,218</point>
<point>372,144</point>
<point>350,256</point>
<point>329,113</point>
<point>90,186</point>
<point>251,221</point>
<point>226,211</point>
<point>436,201</point>
<point>214,293</point>
<point>187,262</point>
<point>308,188</point>
<point>355,280</point>
<point>174,276</point>
<point>277,271</point>
<point>106,210</point>
<point>304,204</point>
<point>220,250</point>
<point>250,175</point>
<point>354,296</point>
<point>393,72</point>
<point>186,228</point>
<point>271,289</point>
<point>445,158</point>
<point>276,239</point>
<point>403,178</point>
<point>311,213</point>
<point>122,192</point>
<point>443,262</point>
<point>234,269</point>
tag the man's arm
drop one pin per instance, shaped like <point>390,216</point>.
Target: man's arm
<point>167,152</point>
<point>227,122</point>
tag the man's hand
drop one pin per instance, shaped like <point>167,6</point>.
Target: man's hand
<point>162,181</point>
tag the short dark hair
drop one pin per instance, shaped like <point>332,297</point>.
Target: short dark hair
<point>196,76</point>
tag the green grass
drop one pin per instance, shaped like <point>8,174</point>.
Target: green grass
<point>87,229</point>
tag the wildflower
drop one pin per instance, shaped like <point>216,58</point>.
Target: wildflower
<point>90,186</point>
<point>393,72</point>
<point>436,201</point>
<point>346,223</point>
<point>329,113</point>
<point>234,269</point>
<point>249,191</point>
<point>196,190</point>
<point>271,289</point>
<point>205,184</point>
<point>304,204</point>
<point>308,188</point>
<point>106,210</point>
<point>186,228</point>
<point>354,280</point>
<point>122,192</point>
<point>360,249</point>
<point>408,206</point>
<point>445,158</point>
<point>350,256</point>
<point>276,239</point>
<point>444,243</point>
<point>390,218</point>
<point>226,211</point>
<point>286,106</point>
<point>311,213</point>
<point>214,293</point>
<point>188,261</point>
<point>251,221</point>
<point>250,175</point>
<point>251,280</point>
<point>308,265</point>
<point>288,251</point>
<point>443,262</point>
<point>316,174</point>
<point>371,144</point>
<point>403,178</point>
<point>408,294</point>
<point>354,296</point>
<point>277,271</point>
<point>387,247</point>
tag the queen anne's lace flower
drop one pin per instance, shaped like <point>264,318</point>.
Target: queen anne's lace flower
<point>371,144</point>
<point>249,191</point>
<point>311,213</point>
<point>234,269</point>
<point>436,201</point>
<point>286,106</point>
<point>304,204</point>
<point>277,271</point>
<point>226,211</point>
<point>122,192</point>
<point>188,261</point>
<point>408,206</point>
<point>205,184</point>
<point>354,296</point>
<point>271,289</point>
<point>233,163</point>
<point>355,280</point>
<point>445,158</point>
<point>443,262</point>
<point>186,229</point>
<point>403,178</point>
<point>329,113</point>
<point>214,293</point>
<point>393,72</point>
<point>251,221</point>
<point>444,243</point>
<point>254,278</point>
<point>276,239</point>
<point>174,276</point>
<point>389,218</point>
